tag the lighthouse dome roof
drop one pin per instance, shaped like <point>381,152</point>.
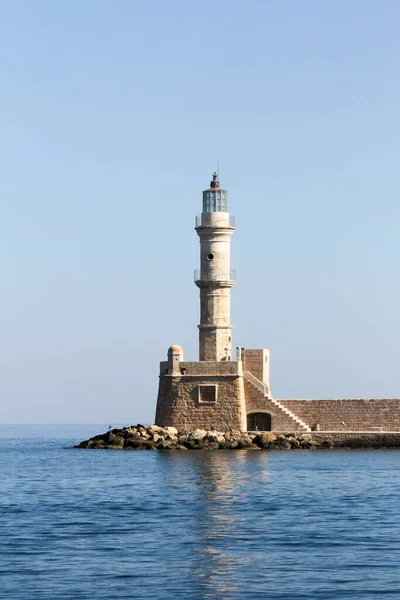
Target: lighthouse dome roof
<point>175,349</point>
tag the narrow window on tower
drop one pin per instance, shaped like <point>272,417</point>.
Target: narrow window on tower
<point>212,201</point>
<point>207,206</point>
<point>218,201</point>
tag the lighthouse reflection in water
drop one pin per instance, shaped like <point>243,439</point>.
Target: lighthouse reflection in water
<point>194,525</point>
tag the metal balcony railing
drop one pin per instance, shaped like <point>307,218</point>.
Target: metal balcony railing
<point>231,276</point>
<point>200,222</point>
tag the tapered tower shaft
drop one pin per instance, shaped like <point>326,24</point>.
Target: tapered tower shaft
<point>215,278</point>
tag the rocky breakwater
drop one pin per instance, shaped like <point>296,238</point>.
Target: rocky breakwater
<point>152,437</point>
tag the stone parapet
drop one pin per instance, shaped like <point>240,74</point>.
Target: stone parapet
<point>205,368</point>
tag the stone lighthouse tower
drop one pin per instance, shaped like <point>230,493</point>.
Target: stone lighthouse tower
<point>218,391</point>
<point>215,278</point>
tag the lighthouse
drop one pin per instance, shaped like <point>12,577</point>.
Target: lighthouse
<point>218,391</point>
<point>215,278</point>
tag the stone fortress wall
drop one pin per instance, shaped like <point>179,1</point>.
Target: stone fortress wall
<point>220,393</point>
<point>235,395</point>
<point>348,414</point>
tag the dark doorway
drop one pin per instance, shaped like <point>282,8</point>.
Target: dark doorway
<point>259,421</point>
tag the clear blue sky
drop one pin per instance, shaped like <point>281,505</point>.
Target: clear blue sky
<point>112,117</point>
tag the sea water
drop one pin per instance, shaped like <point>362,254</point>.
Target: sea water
<point>96,524</point>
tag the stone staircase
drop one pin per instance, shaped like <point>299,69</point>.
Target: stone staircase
<point>261,387</point>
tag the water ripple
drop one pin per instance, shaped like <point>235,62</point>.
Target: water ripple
<point>205,525</point>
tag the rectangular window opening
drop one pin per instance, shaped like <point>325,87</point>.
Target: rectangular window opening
<point>208,393</point>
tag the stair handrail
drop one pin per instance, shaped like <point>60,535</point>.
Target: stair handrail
<point>259,384</point>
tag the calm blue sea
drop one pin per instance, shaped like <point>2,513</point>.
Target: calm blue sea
<point>81,524</point>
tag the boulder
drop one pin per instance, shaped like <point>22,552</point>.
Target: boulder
<point>154,429</point>
<point>128,431</point>
<point>171,430</point>
<point>282,443</point>
<point>198,434</point>
<point>264,440</point>
<point>215,436</point>
<point>97,444</point>
<point>245,442</point>
<point>189,444</point>
<point>212,446</point>
<point>138,443</point>
<point>224,445</point>
<point>233,445</point>
<point>309,443</point>
<point>115,440</point>
<point>327,444</point>
<point>166,446</point>
<point>293,442</point>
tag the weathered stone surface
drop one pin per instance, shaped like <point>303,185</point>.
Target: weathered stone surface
<point>244,442</point>
<point>293,441</point>
<point>181,405</point>
<point>215,436</point>
<point>171,430</point>
<point>130,431</point>
<point>212,446</point>
<point>327,444</point>
<point>115,440</point>
<point>140,444</point>
<point>348,415</point>
<point>94,444</point>
<point>189,444</point>
<point>154,428</point>
<point>282,443</point>
<point>198,434</point>
<point>263,440</point>
<point>146,438</point>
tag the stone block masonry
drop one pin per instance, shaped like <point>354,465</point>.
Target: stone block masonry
<point>348,414</point>
<point>201,401</point>
<point>222,395</point>
<point>257,402</point>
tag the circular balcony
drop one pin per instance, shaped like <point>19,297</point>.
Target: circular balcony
<point>228,279</point>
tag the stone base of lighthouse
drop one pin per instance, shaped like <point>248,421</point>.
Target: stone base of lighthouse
<point>205,395</point>
<point>220,395</point>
